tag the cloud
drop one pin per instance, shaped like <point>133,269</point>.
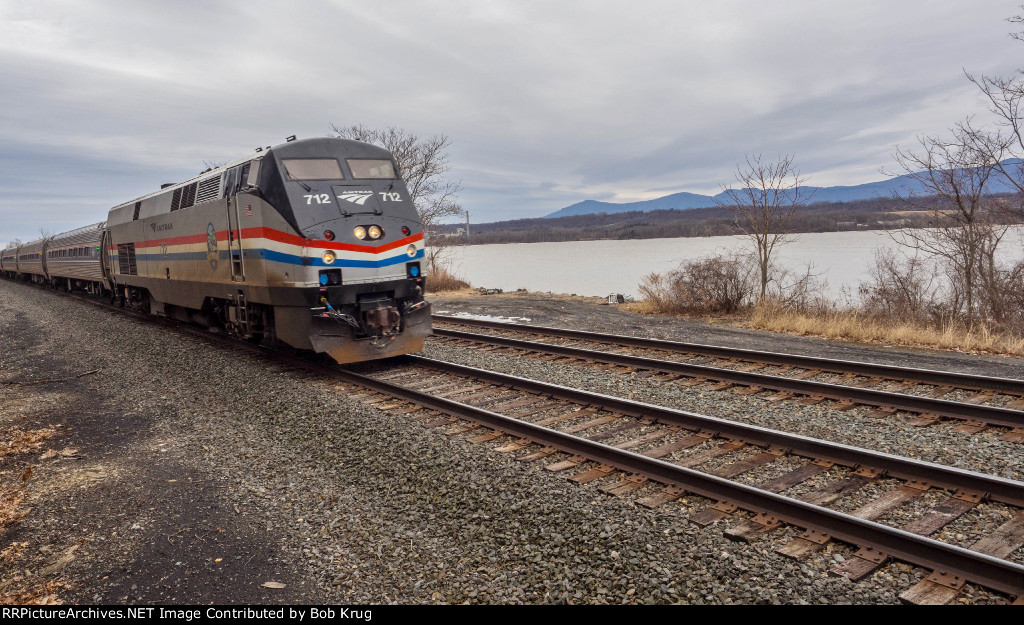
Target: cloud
<point>546,104</point>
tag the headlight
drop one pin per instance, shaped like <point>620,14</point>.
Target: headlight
<point>411,251</point>
<point>360,232</point>
<point>329,257</point>
<point>376,232</point>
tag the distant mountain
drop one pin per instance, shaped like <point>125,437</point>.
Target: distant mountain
<point>676,200</point>
<point>684,200</point>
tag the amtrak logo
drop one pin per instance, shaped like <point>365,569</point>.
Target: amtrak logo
<point>356,197</point>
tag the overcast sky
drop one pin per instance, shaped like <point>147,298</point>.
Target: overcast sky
<point>546,103</point>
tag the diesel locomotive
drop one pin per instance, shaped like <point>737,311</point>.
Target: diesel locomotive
<point>313,243</point>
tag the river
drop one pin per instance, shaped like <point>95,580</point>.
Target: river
<point>841,259</point>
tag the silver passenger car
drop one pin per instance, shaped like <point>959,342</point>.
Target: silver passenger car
<point>9,262</point>
<point>31,261</point>
<point>73,259</point>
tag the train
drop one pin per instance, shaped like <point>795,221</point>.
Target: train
<point>313,243</point>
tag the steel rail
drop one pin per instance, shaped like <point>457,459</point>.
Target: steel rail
<point>994,487</point>
<point>884,399</point>
<point>997,574</point>
<point>925,376</point>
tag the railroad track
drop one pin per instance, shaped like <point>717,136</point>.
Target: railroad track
<point>941,379</point>
<point>791,383</point>
<point>665,454</point>
<point>659,455</point>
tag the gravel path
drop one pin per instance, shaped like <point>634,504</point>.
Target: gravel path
<point>220,472</point>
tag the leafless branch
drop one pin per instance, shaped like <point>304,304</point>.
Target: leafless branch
<point>769,193</point>
<point>966,228</point>
<point>423,164</point>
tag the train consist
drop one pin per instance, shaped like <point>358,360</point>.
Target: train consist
<point>312,243</point>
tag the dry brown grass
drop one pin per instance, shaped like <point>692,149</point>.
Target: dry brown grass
<point>641,307</point>
<point>442,280</point>
<point>849,325</point>
<point>852,326</point>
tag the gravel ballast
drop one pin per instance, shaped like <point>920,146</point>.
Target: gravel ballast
<point>983,451</point>
<point>219,472</point>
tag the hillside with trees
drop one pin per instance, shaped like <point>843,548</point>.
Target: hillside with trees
<point>875,214</point>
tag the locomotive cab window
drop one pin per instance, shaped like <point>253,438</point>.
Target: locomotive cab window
<point>312,169</point>
<point>373,168</point>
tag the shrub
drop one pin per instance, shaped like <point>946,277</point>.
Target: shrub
<point>719,284</point>
<point>442,280</point>
<point>899,287</point>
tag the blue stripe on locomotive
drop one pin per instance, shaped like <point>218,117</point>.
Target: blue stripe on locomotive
<point>280,257</point>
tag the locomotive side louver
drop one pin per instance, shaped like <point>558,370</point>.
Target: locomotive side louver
<point>176,199</point>
<point>209,189</point>
<point>188,195</point>
<point>126,259</point>
<point>132,269</point>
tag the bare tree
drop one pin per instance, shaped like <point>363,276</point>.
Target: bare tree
<point>966,228</point>
<point>962,169</point>
<point>423,163</point>
<point>769,194</point>
<point>1017,19</point>
<point>1004,145</point>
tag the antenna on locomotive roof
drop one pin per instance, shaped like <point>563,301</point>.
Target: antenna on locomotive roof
<point>259,149</point>
<point>290,139</point>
